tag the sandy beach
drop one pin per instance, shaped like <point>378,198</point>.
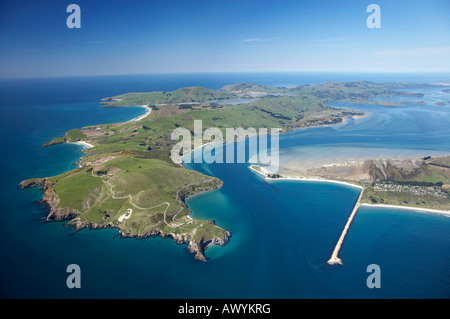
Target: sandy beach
<point>149,110</point>
<point>83,143</point>
<point>306,179</point>
<point>416,209</point>
<point>190,152</point>
<point>338,160</point>
<point>296,178</point>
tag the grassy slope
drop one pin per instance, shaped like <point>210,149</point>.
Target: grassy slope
<point>425,173</point>
<point>142,149</point>
<point>190,94</point>
<point>406,198</point>
<point>146,183</point>
<point>73,135</point>
<point>297,107</point>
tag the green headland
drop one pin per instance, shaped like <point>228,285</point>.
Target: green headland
<point>128,181</point>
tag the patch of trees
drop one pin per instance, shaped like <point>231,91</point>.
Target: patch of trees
<point>440,165</point>
<point>417,183</point>
<point>277,115</point>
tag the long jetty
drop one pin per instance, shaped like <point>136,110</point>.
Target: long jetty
<point>334,256</point>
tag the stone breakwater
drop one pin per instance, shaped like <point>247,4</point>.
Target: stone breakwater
<point>334,256</point>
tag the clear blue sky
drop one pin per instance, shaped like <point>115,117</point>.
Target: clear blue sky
<point>166,36</point>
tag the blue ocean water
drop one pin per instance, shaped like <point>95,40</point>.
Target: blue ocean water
<point>283,232</point>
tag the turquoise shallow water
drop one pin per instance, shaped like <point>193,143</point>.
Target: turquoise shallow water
<point>283,232</point>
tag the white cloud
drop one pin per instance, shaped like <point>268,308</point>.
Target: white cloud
<point>253,40</point>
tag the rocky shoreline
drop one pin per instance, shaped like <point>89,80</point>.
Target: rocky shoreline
<point>56,214</point>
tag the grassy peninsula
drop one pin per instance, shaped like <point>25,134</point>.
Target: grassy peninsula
<point>128,180</point>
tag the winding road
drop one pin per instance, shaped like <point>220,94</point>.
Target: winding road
<point>110,188</point>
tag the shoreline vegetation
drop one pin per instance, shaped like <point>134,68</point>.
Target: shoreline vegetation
<point>127,165</point>
<point>334,259</point>
<point>277,177</point>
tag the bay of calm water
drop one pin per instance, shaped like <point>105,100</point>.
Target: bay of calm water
<point>283,232</point>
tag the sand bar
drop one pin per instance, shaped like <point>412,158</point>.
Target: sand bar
<point>305,179</point>
<point>416,209</point>
<point>308,179</point>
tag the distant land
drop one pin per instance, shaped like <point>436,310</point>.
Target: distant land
<point>128,181</point>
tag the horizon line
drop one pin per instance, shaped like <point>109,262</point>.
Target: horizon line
<point>218,72</point>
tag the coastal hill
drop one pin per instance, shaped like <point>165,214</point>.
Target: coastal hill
<point>128,181</point>
<point>182,95</point>
<point>421,183</point>
<point>412,182</point>
<point>154,191</point>
<point>418,184</point>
